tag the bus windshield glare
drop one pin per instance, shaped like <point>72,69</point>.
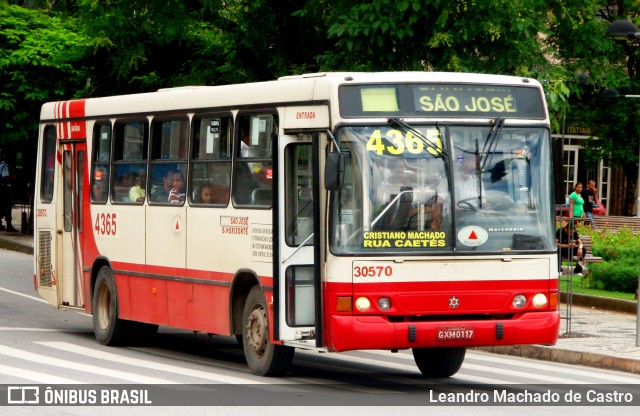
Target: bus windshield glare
<point>420,189</point>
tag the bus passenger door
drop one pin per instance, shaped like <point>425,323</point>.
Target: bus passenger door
<point>295,294</point>
<point>70,225</point>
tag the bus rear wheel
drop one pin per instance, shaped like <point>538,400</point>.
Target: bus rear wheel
<point>439,362</point>
<point>263,357</point>
<point>108,328</point>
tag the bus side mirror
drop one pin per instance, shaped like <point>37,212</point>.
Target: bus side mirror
<point>334,171</point>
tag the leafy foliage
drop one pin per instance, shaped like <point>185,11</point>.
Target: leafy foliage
<point>50,50</point>
<point>620,252</point>
<point>40,60</point>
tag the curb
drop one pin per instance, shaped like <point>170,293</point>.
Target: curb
<point>13,246</point>
<point>601,302</point>
<point>558,355</point>
<point>589,359</point>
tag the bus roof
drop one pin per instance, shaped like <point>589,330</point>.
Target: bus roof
<point>305,88</point>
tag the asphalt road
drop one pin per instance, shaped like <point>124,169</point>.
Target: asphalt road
<point>45,346</point>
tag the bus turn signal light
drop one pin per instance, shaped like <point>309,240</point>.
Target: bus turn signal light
<point>343,304</point>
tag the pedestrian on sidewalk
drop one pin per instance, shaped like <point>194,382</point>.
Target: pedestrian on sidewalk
<point>571,248</point>
<point>6,204</point>
<point>576,203</point>
<point>590,195</point>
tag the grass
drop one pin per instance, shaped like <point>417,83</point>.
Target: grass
<point>581,285</point>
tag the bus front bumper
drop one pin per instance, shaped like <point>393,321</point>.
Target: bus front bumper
<point>377,332</point>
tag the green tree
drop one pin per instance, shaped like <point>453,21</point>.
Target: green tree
<point>548,40</point>
<point>40,60</point>
<point>143,45</point>
<point>128,46</point>
<point>615,123</point>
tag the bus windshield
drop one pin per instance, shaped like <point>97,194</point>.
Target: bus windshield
<point>420,189</point>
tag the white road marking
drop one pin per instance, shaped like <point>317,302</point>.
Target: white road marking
<point>520,362</point>
<point>70,365</point>
<point>35,376</point>
<point>23,295</point>
<point>9,328</point>
<point>117,358</point>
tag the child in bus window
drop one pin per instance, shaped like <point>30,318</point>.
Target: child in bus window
<point>177,193</point>
<point>209,193</point>
<point>205,194</point>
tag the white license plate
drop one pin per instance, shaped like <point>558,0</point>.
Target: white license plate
<point>445,334</point>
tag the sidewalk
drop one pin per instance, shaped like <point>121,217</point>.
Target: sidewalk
<point>16,241</point>
<point>596,336</point>
<point>601,332</point>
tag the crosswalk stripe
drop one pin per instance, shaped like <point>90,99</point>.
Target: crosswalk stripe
<point>107,356</point>
<point>565,368</point>
<point>479,367</point>
<point>70,365</point>
<point>35,376</point>
<point>9,328</point>
<point>410,367</point>
<point>475,367</point>
<point>519,362</point>
<point>506,372</point>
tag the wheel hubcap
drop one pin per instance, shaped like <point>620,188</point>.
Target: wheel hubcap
<point>104,307</point>
<point>257,336</point>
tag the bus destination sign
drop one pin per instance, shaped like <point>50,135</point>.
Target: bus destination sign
<point>441,100</point>
<point>471,99</point>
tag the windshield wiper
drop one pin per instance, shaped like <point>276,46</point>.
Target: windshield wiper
<point>437,151</point>
<point>490,144</point>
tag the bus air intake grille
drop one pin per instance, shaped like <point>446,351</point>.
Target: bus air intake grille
<point>44,258</point>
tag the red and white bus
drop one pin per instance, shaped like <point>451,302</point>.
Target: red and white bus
<point>329,211</point>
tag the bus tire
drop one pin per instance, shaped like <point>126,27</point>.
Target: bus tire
<point>108,328</point>
<point>439,362</point>
<point>263,357</point>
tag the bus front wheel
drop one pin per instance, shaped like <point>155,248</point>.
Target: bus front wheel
<point>439,362</point>
<point>263,357</point>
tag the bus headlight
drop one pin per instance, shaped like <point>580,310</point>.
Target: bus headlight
<point>539,300</point>
<point>363,304</point>
<point>384,304</point>
<point>519,301</point>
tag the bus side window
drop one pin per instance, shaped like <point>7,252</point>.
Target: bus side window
<point>210,170</point>
<point>101,157</point>
<point>48,163</point>
<point>298,193</point>
<point>253,170</point>
<point>129,161</point>
<point>169,143</point>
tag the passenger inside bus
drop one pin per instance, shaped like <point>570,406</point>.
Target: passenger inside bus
<point>99,186</point>
<point>123,183</point>
<point>137,192</point>
<point>99,191</point>
<point>209,193</point>
<point>177,193</point>
<point>161,184</point>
